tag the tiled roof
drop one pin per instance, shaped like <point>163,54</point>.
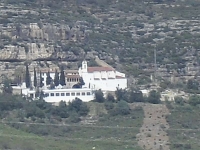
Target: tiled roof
<point>71,71</point>
<point>73,76</point>
<point>119,77</point>
<point>51,70</point>
<point>94,69</point>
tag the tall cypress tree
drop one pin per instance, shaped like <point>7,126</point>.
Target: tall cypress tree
<point>56,78</point>
<point>48,79</point>
<point>62,77</point>
<point>81,82</point>
<point>35,78</point>
<point>41,80</point>
<point>27,77</point>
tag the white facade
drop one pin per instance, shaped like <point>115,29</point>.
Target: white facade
<point>95,78</point>
<point>104,78</point>
<point>67,95</point>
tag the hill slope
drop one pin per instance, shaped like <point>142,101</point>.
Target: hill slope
<point>124,33</point>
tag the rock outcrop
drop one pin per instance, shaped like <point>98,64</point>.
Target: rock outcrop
<point>37,41</point>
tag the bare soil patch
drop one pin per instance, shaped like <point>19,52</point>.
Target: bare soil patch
<point>152,134</point>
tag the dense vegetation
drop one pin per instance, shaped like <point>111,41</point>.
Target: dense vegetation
<point>39,110</point>
<point>62,121</point>
<point>122,32</point>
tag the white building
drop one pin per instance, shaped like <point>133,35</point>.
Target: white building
<point>104,78</point>
<point>67,95</point>
<point>95,78</point>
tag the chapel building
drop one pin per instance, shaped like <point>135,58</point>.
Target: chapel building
<point>104,78</point>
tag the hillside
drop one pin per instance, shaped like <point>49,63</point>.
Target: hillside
<point>123,33</point>
<point>102,125</point>
<point>98,130</point>
<point>184,123</point>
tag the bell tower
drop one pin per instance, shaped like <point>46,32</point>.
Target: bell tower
<point>84,66</point>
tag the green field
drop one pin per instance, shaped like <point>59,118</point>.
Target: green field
<point>184,130</point>
<point>108,133</point>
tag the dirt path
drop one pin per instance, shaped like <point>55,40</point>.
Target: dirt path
<point>152,134</point>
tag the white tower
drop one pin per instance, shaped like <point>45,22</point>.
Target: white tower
<point>84,66</point>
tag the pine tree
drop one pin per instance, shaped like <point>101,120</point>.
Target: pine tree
<point>62,77</point>
<point>35,78</point>
<point>48,79</point>
<point>41,80</point>
<point>56,78</point>
<point>27,78</point>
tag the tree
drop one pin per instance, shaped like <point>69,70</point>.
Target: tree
<point>52,85</point>
<point>110,97</point>
<point>99,97</point>
<point>109,105</point>
<point>81,82</point>
<point>48,79</point>
<point>121,94</point>
<point>41,80</point>
<point>154,97</point>
<point>135,96</point>
<point>194,100</point>
<point>62,77</point>
<point>74,118</point>
<point>35,78</point>
<point>7,87</point>
<point>27,78</point>
<point>78,106</point>
<point>56,78</point>
<point>62,110</point>
<point>192,84</point>
<point>122,108</point>
<point>179,100</point>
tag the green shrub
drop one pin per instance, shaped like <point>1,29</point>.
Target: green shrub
<point>108,105</point>
<point>99,97</point>
<point>179,100</point>
<point>122,108</point>
<point>194,100</point>
<point>154,97</point>
<point>74,118</point>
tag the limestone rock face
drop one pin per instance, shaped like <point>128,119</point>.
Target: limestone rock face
<point>13,52</point>
<point>37,41</point>
<point>34,51</point>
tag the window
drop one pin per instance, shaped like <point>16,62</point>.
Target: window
<point>73,94</point>
<point>67,94</point>
<point>88,93</point>
<point>57,94</point>
<point>52,94</point>
<point>62,94</point>
<point>78,94</point>
<point>47,95</point>
<point>83,93</point>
